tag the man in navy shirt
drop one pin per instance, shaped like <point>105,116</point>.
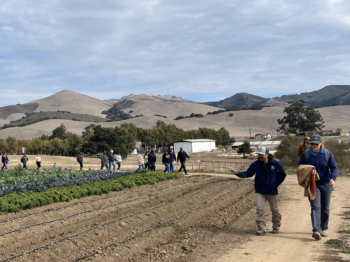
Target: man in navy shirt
<point>269,174</point>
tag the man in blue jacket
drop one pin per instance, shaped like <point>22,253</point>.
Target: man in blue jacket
<point>269,174</point>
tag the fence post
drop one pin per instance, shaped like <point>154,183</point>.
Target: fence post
<point>192,166</point>
<point>219,164</point>
<point>199,165</point>
<point>212,164</point>
<point>225,164</point>
<point>206,166</point>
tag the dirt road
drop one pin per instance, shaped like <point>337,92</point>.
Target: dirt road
<point>294,243</point>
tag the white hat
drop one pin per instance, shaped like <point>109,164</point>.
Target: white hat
<point>112,151</point>
<point>263,151</point>
<point>171,147</point>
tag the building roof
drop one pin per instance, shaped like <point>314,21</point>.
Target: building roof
<point>195,140</point>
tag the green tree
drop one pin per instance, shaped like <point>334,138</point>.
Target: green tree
<point>245,149</point>
<point>12,144</point>
<point>59,132</point>
<point>74,143</point>
<point>3,145</point>
<point>301,117</point>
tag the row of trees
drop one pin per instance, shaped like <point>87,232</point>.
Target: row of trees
<point>96,138</point>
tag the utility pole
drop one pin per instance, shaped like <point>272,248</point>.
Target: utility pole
<point>250,133</point>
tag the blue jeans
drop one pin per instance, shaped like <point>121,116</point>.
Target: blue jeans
<point>111,163</point>
<point>4,166</point>
<point>24,165</point>
<point>172,167</point>
<point>320,208</point>
<point>167,167</point>
<point>141,167</point>
<point>118,165</point>
<point>153,166</point>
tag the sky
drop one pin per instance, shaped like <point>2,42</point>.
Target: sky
<point>200,50</point>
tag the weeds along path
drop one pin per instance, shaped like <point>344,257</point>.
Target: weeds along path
<point>131,227</point>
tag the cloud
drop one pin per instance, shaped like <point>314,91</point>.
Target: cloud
<point>195,49</point>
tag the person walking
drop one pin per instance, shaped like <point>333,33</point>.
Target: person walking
<point>111,159</point>
<point>80,159</point>
<point>38,161</point>
<point>147,166</point>
<point>305,146</point>
<point>166,160</point>
<point>24,160</point>
<point>104,160</point>
<point>4,160</point>
<point>326,167</point>
<point>269,174</point>
<point>140,161</point>
<point>152,158</point>
<point>173,158</point>
<point>181,156</point>
<point>118,159</point>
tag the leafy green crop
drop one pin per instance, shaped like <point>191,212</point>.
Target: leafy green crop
<point>18,201</point>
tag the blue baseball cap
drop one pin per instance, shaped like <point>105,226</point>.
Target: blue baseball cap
<point>263,151</point>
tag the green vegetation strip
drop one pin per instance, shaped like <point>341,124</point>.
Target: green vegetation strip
<point>17,202</point>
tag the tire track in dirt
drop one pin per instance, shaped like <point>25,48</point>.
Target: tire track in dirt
<point>18,241</point>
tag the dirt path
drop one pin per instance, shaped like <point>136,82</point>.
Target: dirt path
<point>294,243</point>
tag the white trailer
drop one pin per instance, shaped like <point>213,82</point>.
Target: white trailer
<point>195,145</point>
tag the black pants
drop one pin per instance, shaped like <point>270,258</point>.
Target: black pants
<point>81,165</point>
<point>147,166</point>
<point>38,164</point>
<point>183,166</point>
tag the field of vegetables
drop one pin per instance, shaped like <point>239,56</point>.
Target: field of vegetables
<point>124,216</point>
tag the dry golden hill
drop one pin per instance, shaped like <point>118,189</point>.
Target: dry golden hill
<point>260,121</point>
<point>67,100</point>
<point>149,105</point>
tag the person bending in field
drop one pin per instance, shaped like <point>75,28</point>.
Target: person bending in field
<point>269,174</point>
<point>4,160</point>
<point>38,161</point>
<point>80,159</point>
<point>24,160</point>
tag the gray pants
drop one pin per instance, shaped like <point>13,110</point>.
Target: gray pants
<point>260,211</point>
<point>320,208</point>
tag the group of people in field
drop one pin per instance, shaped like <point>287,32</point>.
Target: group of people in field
<point>148,160</point>
<point>24,161</point>
<point>110,160</point>
<point>317,172</point>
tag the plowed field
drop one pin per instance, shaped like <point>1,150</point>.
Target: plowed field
<point>189,219</point>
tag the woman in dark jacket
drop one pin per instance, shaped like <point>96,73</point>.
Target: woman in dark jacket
<point>4,160</point>
<point>326,167</point>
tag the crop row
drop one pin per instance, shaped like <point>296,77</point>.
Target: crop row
<point>16,202</point>
<point>20,175</point>
<point>42,185</point>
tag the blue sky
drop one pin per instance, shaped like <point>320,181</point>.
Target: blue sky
<point>199,50</point>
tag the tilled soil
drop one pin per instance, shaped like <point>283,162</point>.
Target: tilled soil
<point>190,219</point>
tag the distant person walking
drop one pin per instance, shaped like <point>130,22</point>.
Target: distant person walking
<point>147,166</point>
<point>166,160</point>
<point>38,161</point>
<point>4,160</point>
<point>181,156</point>
<point>118,159</point>
<point>305,146</point>
<point>269,174</point>
<point>173,158</point>
<point>152,158</point>
<point>326,167</point>
<point>80,160</point>
<point>111,159</point>
<point>104,160</point>
<point>140,161</point>
<point>24,160</point>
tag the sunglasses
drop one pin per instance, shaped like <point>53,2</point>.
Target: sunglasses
<point>313,144</point>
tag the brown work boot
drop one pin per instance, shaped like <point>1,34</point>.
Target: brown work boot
<point>260,232</point>
<point>316,235</point>
<point>275,230</point>
<point>324,233</point>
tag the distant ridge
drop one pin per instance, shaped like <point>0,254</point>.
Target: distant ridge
<point>239,100</point>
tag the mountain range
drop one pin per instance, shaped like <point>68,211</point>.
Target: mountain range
<point>77,111</point>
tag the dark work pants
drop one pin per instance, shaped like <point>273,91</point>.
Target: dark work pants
<point>38,164</point>
<point>320,208</point>
<point>183,166</point>
<point>81,165</point>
